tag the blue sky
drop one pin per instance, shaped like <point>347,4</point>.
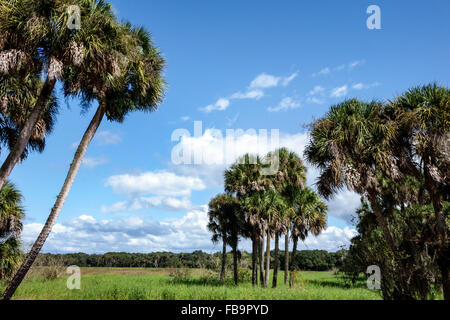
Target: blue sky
<point>251,64</point>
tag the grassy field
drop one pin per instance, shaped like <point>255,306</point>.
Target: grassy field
<point>158,284</point>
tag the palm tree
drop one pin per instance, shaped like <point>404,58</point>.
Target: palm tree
<point>11,214</point>
<point>421,119</point>
<point>244,179</point>
<point>289,181</point>
<point>34,33</point>
<point>135,85</point>
<point>347,146</point>
<point>310,217</point>
<point>224,224</point>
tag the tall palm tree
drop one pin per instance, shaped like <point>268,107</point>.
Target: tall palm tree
<point>347,146</point>
<point>310,218</point>
<point>11,214</point>
<point>135,84</point>
<point>244,179</point>
<point>35,33</point>
<point>421,119</point>
<point>224,218</point>
<point>289,181</point>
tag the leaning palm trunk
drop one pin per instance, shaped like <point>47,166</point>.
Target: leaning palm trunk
<point>294,251</point>
<point>27,130</point>
<point>286,257</point>
<point>73,170</point>
<point>261,259</point>
<point>224,259</point>
<point>275,262</point>
<point>267,271</point>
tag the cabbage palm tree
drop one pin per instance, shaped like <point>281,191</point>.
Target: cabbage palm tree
<point>421,118</point>
<point>310,218</point>
<point>347,145</point>
<point>224,215</point>
<point>132,83</point>
<point>34,33</point>
<point>244,179</point>
<point>289,181</point>
<point>11,214</point>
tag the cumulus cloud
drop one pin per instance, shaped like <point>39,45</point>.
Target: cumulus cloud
<point>220,105</point>
<point>362,86</point>
<point>265,81</point>
<point>339,91</point>
<point>158,183</point>
<point>185,234</point>
<point>160,202</point>
<point>324,71</point>
<point>285,104</point>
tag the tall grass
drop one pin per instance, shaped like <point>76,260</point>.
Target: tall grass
<point>195,286</point>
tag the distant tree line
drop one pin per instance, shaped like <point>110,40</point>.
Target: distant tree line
<point>310,260</point>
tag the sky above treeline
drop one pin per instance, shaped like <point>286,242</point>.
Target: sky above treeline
<point>258,65</point>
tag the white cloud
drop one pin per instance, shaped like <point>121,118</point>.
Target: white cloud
<point>339,91</point>
<point>356,63</point>
<point>160,202</point>
<point>185,118</point>
<point>252,94</point>
<point>344,204</point>
<point>107,138</point>
<point>159,183</point>
<point>185,234</point>
<point>91,162</point>
<point>285,104</point>
<point>362,86</point>
<point>265,81</point>
<point>220,105</point>
<point>316,90</point>
<point>322,72</point>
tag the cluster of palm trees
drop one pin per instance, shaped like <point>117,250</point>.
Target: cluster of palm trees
<point>105,61</point>
<point>263,207</point>
<point>396,155</point>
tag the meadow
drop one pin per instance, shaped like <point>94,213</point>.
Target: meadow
<point>195,284</point>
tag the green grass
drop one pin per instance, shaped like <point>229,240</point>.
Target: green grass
<point>117,284</point>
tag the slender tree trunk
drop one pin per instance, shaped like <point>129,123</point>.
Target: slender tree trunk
<point>224,260</point>
<point>441,228</point>
<point>16,152</point>
<point>73,170</point>
<point>261,259</point>
<point>382,221</point>
<point>254,261</point>
<point>286,257</point>
<point>267,272</point>
<point>275,262</point>
<point>293,264</point>
<point>235,263</point>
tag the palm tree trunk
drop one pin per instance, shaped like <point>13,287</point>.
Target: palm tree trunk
<point>261,259</point>
<point>235,263</point>
<point>16,153</point>
<point>443,258</point>
<point>73,170</point>
<point>381,221</point>
<point>286,257</point>
<point>267,271</point>
<point>254,261</point>
<point>294,251</point>
<point>275,262</point>
<point>224,258</point>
